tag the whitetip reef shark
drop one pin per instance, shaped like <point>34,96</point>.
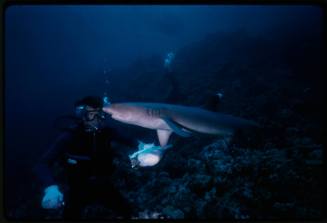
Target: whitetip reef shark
<point>182,120</point>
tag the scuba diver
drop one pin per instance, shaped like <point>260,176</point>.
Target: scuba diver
<point>86,156</point>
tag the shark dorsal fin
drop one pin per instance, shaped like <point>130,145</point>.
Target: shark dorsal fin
<point>177,128</point>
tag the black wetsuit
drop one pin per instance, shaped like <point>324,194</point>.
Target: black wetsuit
<point>87,160</point>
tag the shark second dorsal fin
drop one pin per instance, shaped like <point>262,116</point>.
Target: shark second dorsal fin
<point>176,128</point>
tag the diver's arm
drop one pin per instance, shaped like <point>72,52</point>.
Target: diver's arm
<point>42,169</point>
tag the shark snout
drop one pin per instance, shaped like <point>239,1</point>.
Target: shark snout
<point>114,112</point>
<point>107,110</point>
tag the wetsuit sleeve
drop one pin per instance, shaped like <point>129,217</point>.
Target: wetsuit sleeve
<point>42,169</point>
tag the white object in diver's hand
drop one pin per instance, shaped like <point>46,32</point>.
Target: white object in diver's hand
<point>147,155</point>
<point>52,198</point>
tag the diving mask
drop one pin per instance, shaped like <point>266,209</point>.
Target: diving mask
<point>89,114</point>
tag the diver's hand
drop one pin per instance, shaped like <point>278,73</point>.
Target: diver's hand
<point>52,198</point>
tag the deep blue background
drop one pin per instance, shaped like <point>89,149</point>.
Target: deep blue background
<point>55,55</point>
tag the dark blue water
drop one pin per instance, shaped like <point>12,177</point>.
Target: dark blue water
<point>56,54</point>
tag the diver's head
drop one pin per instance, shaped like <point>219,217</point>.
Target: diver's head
<point>89,110</point>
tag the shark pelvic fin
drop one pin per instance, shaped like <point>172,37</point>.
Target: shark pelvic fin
<point>163,136</point>
<point>179,130</point>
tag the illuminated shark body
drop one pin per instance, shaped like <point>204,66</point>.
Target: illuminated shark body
<point>182,120</point>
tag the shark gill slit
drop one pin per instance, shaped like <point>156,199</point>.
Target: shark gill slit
<point>154,112</point>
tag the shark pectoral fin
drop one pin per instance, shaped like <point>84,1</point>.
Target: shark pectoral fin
<point>163,136</point>
<point>176,128</point>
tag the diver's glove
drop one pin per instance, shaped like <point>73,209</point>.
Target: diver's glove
<point>52,198</point>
